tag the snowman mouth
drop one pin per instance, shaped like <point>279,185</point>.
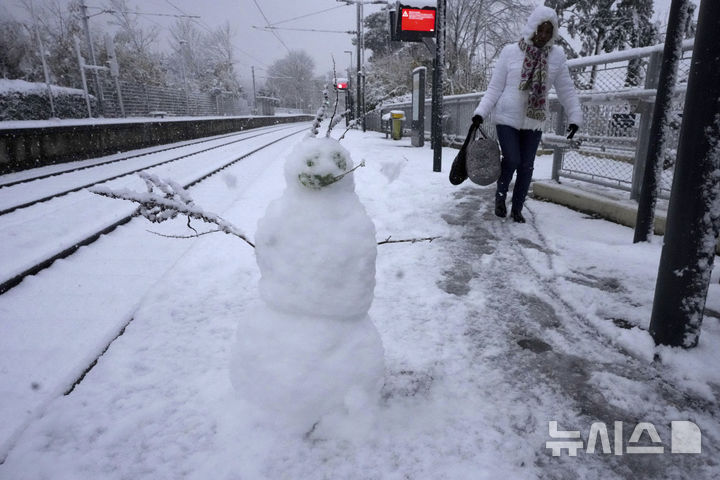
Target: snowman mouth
<point>316,182</point>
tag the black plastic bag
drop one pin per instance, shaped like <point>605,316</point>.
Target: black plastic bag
<point>458,171</point>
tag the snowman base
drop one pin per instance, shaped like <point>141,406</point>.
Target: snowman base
<point>300,369</point>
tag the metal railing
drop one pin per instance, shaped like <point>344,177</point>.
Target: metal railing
<point>617,95</point>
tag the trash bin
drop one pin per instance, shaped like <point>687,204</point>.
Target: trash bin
<point>397,117</point>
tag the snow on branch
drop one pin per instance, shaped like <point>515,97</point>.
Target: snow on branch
<point>320,115</point>
<point>333,121</point>
<point>165,200</point>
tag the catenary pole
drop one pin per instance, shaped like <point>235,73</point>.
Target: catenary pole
<point>437,91</point>
<point>252,68</point>
<point>358,83</point>
<point>694,209</point>
<point>91,49</point>
<point>46,71</point>
<point>645,221</point>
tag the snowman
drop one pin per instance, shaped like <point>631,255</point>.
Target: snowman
<point>308,349</point>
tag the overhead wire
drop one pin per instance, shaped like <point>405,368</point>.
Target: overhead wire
<point>267,23</point>
<point>307,15</point>
<point>209,30</point>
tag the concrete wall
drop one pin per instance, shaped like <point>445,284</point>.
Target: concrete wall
<point>24,148</point>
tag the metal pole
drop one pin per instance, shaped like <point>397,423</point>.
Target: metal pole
<point>46,72</point>
<point>645,109</point>
<point>81,63</point>
<point>348,92</point>
<point>114,70</point>
<point>437,91</point>
<point>693,218</point>
<point>672,52</point>
<point>254,92</point>
<point>91,49</point>
<point>184,74</point>
<point>558,152</point>
<point>358,83</point>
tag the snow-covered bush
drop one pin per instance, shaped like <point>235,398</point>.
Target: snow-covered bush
<point>21,100</point>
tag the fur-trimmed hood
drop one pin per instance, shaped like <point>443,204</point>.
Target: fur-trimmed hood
<point>540,15</point>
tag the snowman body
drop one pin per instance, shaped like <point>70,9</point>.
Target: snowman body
<point>309,348</point>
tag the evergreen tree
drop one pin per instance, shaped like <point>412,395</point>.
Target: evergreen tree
<point>605,26</point>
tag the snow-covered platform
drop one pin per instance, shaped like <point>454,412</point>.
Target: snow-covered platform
<point>31,144</point>
<point>491,332</point>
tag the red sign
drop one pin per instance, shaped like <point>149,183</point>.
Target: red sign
<point>341,85</point>
<point>417,20</point>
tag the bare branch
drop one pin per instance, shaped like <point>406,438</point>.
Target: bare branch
<point>196,235</point>
<point>408,240</point>
<point>173,200</point>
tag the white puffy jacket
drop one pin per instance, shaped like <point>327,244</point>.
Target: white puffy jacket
<point>504,98</point>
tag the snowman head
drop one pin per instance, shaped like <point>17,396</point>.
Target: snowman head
<point>319,164</point>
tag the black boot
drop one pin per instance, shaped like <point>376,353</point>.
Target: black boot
<point>500,208</point>
<point>517,216</point>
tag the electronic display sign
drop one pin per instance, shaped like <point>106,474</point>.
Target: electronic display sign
<point>417,20</point>
<point>412,23</point>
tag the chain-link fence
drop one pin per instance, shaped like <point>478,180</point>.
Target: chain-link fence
<point>143,100</point>
<point>617,93</point>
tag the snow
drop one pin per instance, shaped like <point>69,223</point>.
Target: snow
<point>68,122</point>
<point>620,55</point>
<point>489,333</point>
<point>9,86</point>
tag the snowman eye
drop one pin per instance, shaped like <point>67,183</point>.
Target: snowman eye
<point>339,160</point>
<point>310,163</point>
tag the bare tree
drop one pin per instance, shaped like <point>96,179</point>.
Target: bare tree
<point>206,60</point>
<point>292,79</point>
<point>476,32</point>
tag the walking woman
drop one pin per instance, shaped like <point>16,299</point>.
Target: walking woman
<point>517,97</point>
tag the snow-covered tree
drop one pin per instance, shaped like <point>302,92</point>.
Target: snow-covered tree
<point>57,23</point>
<point>135,45</point>
<point>292,79</point>
<point>476,31</point>
<point>606,26</point>
<point>15,44</point>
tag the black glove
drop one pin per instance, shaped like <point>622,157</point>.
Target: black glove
<point>477,120</point>
<point>572,128</point>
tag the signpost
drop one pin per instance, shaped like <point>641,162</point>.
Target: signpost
<point>421,21</point>
<point>417,125</point>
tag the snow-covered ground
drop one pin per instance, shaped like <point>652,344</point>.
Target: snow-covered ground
<point>490,332</point>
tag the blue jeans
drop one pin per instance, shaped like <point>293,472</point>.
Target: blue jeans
<point>518,150</point>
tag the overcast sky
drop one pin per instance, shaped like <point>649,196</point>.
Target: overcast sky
<point>260,48</point>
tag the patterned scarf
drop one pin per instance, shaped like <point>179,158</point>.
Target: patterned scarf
<point>534,78</point>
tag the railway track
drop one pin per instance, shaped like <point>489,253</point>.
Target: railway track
<point>42,203</point>
<point>214,143</point>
